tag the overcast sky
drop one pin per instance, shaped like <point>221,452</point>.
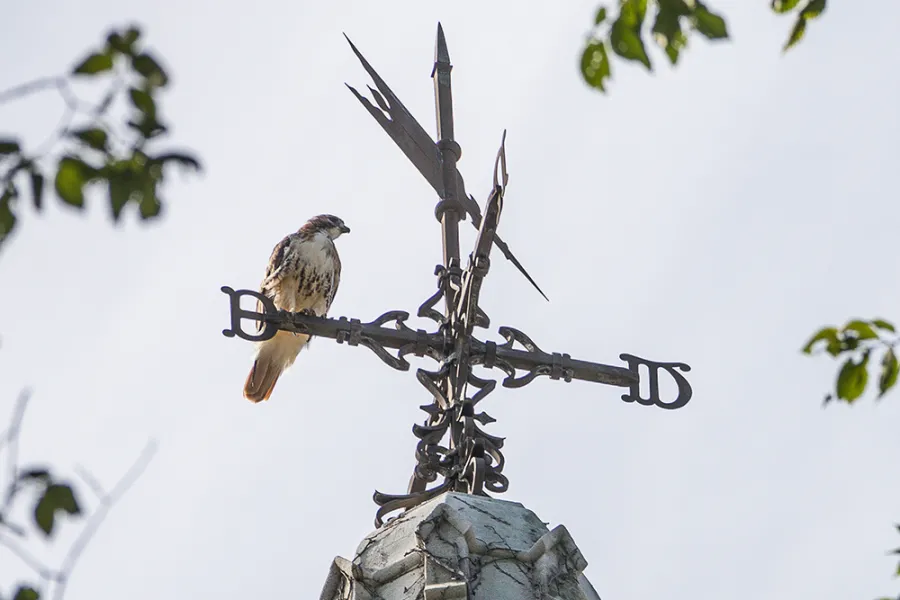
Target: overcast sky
<point>715,214</point>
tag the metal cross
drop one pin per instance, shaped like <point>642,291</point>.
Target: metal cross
<point>471,460</point>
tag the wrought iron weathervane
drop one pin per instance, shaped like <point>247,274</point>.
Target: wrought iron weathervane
<point>471,460</point>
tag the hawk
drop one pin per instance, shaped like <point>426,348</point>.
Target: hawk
<point>302,276</point>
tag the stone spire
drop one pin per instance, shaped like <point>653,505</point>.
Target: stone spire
<point>463,547</point>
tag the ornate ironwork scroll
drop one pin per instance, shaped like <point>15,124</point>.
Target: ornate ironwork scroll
<point>452,444</point>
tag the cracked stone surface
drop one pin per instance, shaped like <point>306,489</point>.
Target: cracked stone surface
<point>461,547</point>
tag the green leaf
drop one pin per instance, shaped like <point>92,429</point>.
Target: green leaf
<point>56,498</point>
<point>709,24</point>
<point>852,379</point>
<point>150,206</point>
<point>7,217</point>
<point>148,128</point>
<point>783,6</point>
<point>37,189</point>
<point>796,34</point>
<point>640,11</point>
<point>71,178</point>
<point>143,102</point>
<point>627,43</point>
<point>595,65</point>
<point>44,516</point>
<point>26,592</point>
<point>678,7</point>
<point>667,29</point>
<point>120,190</point>
<point>813,9</point>
<point>601,15</point>
<point>147,66</point>
<point>835,347</point>
<point>93,64</point>
<point>64,498</point>
<point>882,324</point>
<point>132,34</point>
<point>123,43</point>
<point>116,42</point>
<point>826,333</point>
<point>890,368</point>
<point>862,329</point>
<point>9,146</point>
<point>94,137</point>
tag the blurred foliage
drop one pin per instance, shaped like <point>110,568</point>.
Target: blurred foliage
<point>50,498</point>
<point>95,151</point>
<point>897,572</point>
<point>669,22</point>
<point>49,502</point>
<point>863,347</point>
<point>860,345</point>
<point>805,10</point>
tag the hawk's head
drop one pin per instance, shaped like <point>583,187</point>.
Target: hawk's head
<point>330,225</point>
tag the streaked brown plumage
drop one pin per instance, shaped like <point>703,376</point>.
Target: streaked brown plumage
<point>303,274</point>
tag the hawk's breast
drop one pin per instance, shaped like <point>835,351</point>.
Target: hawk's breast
<point>311,274</point>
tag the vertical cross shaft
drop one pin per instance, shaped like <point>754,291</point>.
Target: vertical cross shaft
<point>448,210</point>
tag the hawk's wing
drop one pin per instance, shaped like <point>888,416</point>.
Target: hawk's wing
<point>335,281</point>
<point>273,274</point>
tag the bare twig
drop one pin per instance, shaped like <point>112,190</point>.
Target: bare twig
<point>61,129</point>
<point>60,83</point>
<point>28,559</point>
<point>96,519</point>
<point>25,89</point>
<point>90,481</point>
<point>73,107</point>
<point>59,577</point>
<point>10,442</point>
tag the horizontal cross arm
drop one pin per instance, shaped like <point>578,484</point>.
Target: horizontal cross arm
<point>537,362</point>
<point>561,366</point>
<point>374,335</point>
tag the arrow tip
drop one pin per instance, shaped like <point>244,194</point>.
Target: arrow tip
<point>352,45</point>
<point>441,54</point>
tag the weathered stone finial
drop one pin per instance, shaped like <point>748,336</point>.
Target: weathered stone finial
<point>463,547</point>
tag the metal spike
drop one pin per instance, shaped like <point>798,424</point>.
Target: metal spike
<point>441,54</point>
<point>510,257</point>
<point>379,116</point>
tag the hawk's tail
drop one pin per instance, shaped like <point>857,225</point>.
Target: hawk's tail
<point>274,356</point>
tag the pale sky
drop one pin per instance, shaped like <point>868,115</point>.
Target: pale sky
<point>714,214</point>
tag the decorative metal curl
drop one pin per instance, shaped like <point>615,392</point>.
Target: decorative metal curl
<point>354,337</point>
<point>389,503</point>
<point>634,391</point>
<point>558,368</point>
<point>427,310</point>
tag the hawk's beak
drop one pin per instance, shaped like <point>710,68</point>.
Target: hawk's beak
<point>345,229</point>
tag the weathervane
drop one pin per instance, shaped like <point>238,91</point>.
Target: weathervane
<point>471,461</point>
